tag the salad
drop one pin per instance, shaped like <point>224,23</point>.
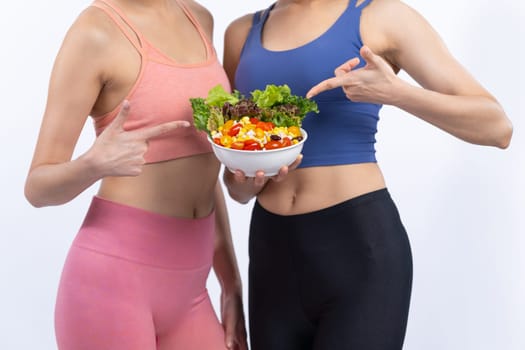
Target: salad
<point>268,119</point>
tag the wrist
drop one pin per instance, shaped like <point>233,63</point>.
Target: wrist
<point>232,288</point>
<point>90,165</point>
<point>399,93</point>
<point>241,192</point>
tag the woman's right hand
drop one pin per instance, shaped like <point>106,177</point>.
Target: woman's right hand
<point>117,152</point>
<point>243,188</point>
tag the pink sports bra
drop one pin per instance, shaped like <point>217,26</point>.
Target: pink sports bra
<point>162,90</point>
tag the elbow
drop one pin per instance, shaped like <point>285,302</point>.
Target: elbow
<point>498,132</point>
<point>504,135</point>
<point>31,198</point>
<point>29,191</point>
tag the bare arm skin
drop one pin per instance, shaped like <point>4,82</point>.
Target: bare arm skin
<point>449,97</point>
<point>224,259</point>
<point>79,75</point>
<point>227,271</point>
<point>76,79</point>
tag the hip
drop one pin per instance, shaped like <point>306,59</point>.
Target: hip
<point>146,237</point>
<point>364,229</point>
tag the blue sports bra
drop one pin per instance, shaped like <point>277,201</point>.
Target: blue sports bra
<point>344,131</point>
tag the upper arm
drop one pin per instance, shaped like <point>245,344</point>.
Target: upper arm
<point>234,39</point>
<point>411,44</point>
<point>76,80</point>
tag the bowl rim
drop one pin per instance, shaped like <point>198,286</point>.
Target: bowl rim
<point>303,132</point>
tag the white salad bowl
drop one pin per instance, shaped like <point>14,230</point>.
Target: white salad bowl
<point>269,161</point>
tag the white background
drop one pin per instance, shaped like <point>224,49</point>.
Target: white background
<point>463,205</point>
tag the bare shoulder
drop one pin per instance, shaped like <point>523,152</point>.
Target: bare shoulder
<point>198,9</point>
<point>386,7</point>
<point>238,30</point>
<point>386,23</point>
<point>92,28</point>
<point>390,17</point>
<point>234,39</point>
<point>203,15</point>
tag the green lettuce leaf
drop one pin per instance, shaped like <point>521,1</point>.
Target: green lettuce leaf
<point>272,95</point>
<point>276,104</point>
<point>201,113</point>
<point>217,96</point>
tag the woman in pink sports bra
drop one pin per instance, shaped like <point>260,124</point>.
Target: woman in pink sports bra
<point>135,276</point>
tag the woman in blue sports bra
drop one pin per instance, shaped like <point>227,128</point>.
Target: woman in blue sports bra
<point>330,261</point>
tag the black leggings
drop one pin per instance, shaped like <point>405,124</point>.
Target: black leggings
<point>335,279</point>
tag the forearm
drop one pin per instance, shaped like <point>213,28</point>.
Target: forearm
<point>475,119</point>
<point>226,269</point>
<point>55,184</point>
<point>224,260</point>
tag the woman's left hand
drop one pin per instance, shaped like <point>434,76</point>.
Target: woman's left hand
<point>232,315</point>
<point>374,83</point>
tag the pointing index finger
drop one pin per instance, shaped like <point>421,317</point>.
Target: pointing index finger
<point>325,85</point>
<point>160,129</point>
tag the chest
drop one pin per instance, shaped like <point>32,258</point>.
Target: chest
<point>300,68</point>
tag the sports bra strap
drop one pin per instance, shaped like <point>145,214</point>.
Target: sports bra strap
<point>121,21</point>
<point>257,17</point>
<point>262,15</point>
<point>197,25</point>
<point>361,6</point>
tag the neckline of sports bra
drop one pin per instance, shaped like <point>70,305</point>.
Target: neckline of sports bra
<point>266,14</point>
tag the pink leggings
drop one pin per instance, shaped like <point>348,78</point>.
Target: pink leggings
<point>136,280</point>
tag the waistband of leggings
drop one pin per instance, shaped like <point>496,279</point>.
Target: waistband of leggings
<point>146,237</point>
<point>377,195</point>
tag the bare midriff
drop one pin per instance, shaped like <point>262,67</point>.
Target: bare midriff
<point>308,189</point>
<point>182,187</point>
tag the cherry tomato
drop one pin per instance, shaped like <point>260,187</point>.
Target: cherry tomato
<point>254,120</point>
<point>217,140</point>
<point>237,145</point>
<point>252,145</point>
<point>273,145</point>
<point>234,130</point>
<point>286,142</point>
<point>266,126</point>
